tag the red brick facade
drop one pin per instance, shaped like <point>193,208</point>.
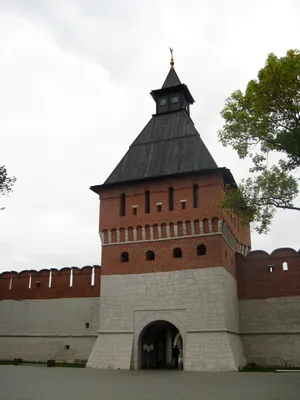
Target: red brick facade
<point>15,285</point>
<point>263,276</point>
<point>113,226</point>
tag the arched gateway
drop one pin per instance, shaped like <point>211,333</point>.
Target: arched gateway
<point>155,345</point>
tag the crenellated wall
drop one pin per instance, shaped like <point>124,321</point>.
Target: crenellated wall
<point>49,313</point>
<point>51,283</point>
<point>269,293</point>
<point>262,276</point>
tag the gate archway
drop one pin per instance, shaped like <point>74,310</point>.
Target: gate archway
<point>156,343</point>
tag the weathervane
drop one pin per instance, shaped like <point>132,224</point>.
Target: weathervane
<point>172,59</point>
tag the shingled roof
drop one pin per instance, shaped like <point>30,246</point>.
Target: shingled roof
<point>168,145</point>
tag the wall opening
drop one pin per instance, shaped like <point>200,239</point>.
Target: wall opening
<point>171,199</point>
<point>122,204</point>
<point>177,253</point>
<point>29,283</point>
<point>201,250</point>
<point>150,256</point>
<point>271,268</point>
<point>156,343</point>
<point>285,266</point>
<point>93,277</point>
<point>50,279</point>
<point>124,257</point>
<point>196,196</point>
<point>71,277</point>
<point>147,202</point>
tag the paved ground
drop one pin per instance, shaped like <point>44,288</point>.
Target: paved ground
<point>41,383</point>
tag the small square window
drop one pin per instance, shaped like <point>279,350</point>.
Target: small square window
<point>183,203</point>
<point>87,324</point>
<point>67,346</point>
<point>175,99</point>
<point>134,210</point>
<point>158,207</point>
<point>163,102</point>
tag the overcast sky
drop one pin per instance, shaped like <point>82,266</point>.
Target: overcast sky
<point>75,77</point>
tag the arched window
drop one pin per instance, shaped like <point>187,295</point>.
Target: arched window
<point>177,253</point>
<point>150,256</point>
<point>201,250</point>
<point>124,257</point>
<point>285,266</point>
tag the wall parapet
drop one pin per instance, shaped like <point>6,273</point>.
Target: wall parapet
<point>51,283</point>
<point>261,275</point>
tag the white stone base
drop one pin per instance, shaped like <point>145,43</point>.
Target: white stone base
<point>201,303</point>
<point>273,349</point>
<point>112,351</point>
<point>36,348</point>
<point>213,351</point>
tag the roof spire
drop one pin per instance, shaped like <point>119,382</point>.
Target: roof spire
<point>172,59</point>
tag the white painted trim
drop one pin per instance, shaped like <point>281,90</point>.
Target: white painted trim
<point>174,238</point>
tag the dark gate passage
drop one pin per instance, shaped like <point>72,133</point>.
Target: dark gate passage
<point>157,341</point>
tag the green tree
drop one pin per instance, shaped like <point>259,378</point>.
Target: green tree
<point>6,182</point>
<point>264,124</point>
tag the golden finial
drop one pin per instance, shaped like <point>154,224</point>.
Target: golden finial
<point>172,59</point>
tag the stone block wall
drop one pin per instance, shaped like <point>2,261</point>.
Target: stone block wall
<point>195,301</point>
<point>270,330</point>
<point>48,314</point>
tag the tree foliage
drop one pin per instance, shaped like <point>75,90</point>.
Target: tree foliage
<point>264,124</point>
<point>6,182</point>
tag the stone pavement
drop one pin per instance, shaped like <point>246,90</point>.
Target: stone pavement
<point>41,383</point>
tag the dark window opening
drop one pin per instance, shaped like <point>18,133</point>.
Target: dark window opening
<point>201,250</point>
<point>183,205</point>
<point>158,207</point>
<point>87,324</point>
<point>67,346</point>
<point>177,253</point>
<point>134,210</point>
<point>147,202</point>
<point>122,204</point>
<point>150,256</point>
<point>124,257</point>
<point>171,199</point>
<point>196,196</point>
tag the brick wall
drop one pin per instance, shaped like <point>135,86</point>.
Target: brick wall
<point>210,188</point>
<point>14,285</point>
<point>262,276</point>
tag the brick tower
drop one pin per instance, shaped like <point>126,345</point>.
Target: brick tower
<point>168,250</point>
